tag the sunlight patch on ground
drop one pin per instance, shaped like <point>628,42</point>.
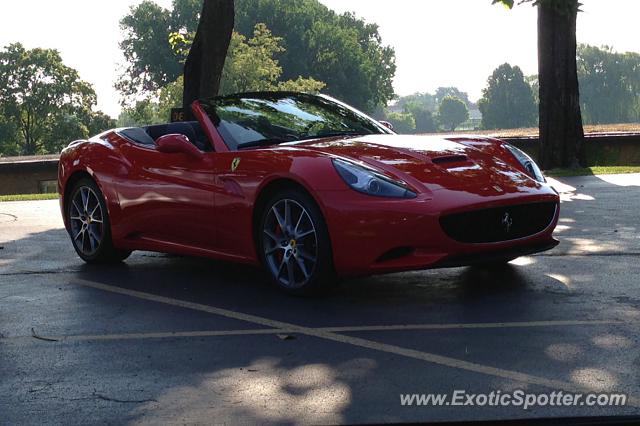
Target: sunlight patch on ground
<point>523,261</point>
<point>622,180</point>
<point>575,197</point>
<point>562,228</point>
<point>265,392</point>
<point>612,341</point>
<point>596,379</point>
<point>586,245</point>
<point>560,186</point>
<point>568,192</point>
<point>563,351</point>
<point>563,279</point>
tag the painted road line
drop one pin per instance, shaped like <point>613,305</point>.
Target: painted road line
<point>517,324</point>
<point>342,329</point>
<point>359,342</point>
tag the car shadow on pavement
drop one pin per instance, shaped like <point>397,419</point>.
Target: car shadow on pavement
<point>270,379</point>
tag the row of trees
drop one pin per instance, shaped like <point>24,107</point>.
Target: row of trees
<point>251,65</point>
<point>43,103</point>
<point>609,88</point>
<point>426,113</point>
<point>308,41</point>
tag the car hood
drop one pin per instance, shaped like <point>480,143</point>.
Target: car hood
<point>435,162</point>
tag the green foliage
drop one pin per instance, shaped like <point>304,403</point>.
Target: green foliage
<point>170,97</point>
<point>150,62</point>
<point>425,123</point>
<point>99,122</point>
<point>403,122</point>
<point>422,117</point>
<point>301,84</point>
<point>142,113</point>
<point>453,92</point>
<point>29,197</point>
<point>342,51</point>
<point>452,113</point>
<point>251,65</point>
<point>507,101</point>
<point>562,6</point>
<point>418,100</point>
<point>424,106</point>
<point>609,85</point>
<point>8,136</point>
<point>43,103</point>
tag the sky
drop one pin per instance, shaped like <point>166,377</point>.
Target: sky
<point>437,42</point>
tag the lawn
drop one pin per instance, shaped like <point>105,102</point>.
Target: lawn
<point>28,197</point>
<point>533,131</point>
<point>595,170</point>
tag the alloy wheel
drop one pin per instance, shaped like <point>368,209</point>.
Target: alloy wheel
<point>86,220</point>
<point>290,243</point>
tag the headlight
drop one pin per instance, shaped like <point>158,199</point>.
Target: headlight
<point>527,162</point>
<point>371,182</point>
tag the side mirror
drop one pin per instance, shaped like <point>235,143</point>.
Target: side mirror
<point>386,124</point>
<point>177,143</point>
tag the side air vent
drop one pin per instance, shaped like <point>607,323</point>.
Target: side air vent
<point>450,159</point>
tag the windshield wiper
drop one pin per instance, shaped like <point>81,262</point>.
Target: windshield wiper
<point>263,142</point>
<point>336,133</point>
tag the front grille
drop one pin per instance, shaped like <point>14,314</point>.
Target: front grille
<point>499,224</point>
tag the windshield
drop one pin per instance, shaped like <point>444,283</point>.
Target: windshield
<point>253,120</point>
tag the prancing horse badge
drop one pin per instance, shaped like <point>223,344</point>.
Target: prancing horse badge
<point>235,163</point>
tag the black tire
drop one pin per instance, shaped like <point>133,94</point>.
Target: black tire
<point>89,225</point>
<point>309,277</point>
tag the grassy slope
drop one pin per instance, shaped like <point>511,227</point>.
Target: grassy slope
<point>28,197</point>
<point>595,170</point>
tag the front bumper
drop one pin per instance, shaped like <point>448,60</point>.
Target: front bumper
<point>372,235</point>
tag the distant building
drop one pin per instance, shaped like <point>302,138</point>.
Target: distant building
<point>474,122</point>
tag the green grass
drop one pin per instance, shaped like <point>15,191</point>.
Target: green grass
<point>595,170</point>
<point>28,197</point>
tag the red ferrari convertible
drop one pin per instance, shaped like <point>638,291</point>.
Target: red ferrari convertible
<point>308,187</point>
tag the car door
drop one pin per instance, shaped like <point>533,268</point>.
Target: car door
<point>168,197</point>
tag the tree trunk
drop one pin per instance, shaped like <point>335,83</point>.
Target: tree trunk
<point>203,68</point>
<point>561,131</point>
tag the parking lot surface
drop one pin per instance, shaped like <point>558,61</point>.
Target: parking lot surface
<point>172,339</point>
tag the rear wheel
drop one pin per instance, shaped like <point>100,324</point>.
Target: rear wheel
<point>294,243</point>
<point>89,225</point>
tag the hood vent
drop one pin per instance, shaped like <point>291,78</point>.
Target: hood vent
<point>445,159</point>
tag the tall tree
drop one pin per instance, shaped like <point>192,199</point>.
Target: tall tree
<point>204,65</point>
<point>149,60</point>
<point>507,101</point>
<point>561,131</point>
<point>609,85</point>
<point>251,64</point>
<point>343,51</point>
<point>454,92</point>
<point>45,104</point>
<point>452,113</point>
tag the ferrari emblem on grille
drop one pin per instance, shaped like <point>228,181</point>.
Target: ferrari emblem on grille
<point>507,222</point>
<point>235,163</point>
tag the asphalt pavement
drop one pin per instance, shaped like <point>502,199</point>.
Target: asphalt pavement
<point>166,339</point>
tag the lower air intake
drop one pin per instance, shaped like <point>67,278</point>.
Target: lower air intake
<point>499,224</point>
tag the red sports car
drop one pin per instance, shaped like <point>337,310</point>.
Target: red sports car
<point>308,187</point>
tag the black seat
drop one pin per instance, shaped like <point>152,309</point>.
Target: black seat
<point>137,135</point>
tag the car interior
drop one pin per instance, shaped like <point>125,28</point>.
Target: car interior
<point>149,134</point>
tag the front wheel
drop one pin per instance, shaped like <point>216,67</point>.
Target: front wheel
<point>294,244</point>
<point>89,225</point>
